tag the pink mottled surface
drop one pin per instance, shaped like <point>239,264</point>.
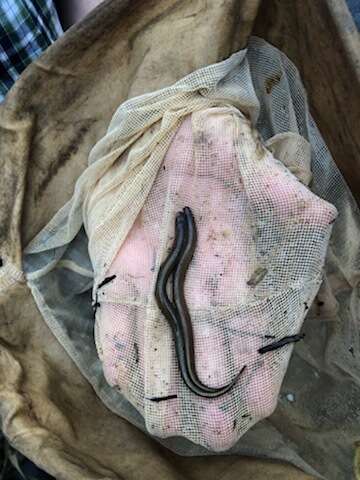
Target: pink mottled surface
<point>207,168</point>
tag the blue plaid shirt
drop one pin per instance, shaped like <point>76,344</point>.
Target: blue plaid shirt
<point>27,28</point>
<point>354,6</point>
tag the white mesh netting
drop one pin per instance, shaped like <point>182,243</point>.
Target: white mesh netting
<point>262,240</point>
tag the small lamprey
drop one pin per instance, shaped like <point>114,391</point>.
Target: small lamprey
<point>176,311</point>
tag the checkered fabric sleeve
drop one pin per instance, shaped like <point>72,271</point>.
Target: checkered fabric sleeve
<point>27,28</point>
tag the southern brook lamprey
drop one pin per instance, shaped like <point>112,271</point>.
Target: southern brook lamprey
<point>176,311</point>
<point>168,308</point>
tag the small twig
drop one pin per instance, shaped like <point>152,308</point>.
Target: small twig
<point>161,399</point>
<point>106,280</point>
<point>136,349</point>
<point>96,304</point>
<point>281,343</point>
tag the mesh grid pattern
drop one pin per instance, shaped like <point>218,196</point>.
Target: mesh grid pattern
<point>262,239</point>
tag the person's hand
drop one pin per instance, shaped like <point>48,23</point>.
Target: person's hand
<point>261,240</point>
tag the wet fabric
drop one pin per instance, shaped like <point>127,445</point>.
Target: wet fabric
<point>56,112</point>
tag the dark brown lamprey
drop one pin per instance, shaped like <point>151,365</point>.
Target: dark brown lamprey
<point>167,307</point>
<point>177,312</point>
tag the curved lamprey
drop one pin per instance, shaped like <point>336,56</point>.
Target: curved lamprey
<point>167,307</point>
<point>176,312</point>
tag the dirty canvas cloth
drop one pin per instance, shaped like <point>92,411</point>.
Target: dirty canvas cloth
<point>60,107</point>
<point>71,257</point>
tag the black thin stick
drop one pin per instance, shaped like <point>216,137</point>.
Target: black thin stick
<point>281,343</point>
<point>96,304</point>
<point>161,399</point>
<point>106,280</point>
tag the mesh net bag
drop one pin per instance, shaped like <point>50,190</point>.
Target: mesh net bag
<point>256,266</point>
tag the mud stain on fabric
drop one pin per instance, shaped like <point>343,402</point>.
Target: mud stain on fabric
<point>271,82</point>
<point>65,154</point>
<point>257,276</point>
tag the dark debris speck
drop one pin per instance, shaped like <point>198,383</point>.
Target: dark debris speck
<point>136,349</point>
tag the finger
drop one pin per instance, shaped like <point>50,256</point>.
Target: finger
<point>120,323</point>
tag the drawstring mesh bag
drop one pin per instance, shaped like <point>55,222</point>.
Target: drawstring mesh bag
<point>192,151</point>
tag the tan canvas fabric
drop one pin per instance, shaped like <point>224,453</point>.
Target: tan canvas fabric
<point>52,117</point>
